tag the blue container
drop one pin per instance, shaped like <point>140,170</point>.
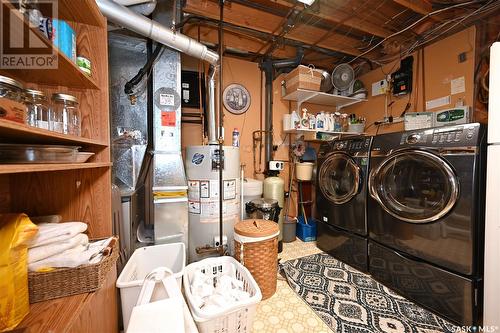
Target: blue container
<point>64,38</point>
<point>306,232</point>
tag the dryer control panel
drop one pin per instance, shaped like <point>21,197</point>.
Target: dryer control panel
<point>464,135</point>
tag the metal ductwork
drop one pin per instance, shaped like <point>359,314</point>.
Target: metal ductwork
<point>142,25</point>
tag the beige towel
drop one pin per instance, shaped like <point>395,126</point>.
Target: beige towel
<point>74,257</point>
<point>45,251</point>
<point>56,232</point>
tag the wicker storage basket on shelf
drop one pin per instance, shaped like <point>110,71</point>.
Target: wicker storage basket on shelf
<point>303,77</point>
<point>256,247</point>
<point>63,282</point>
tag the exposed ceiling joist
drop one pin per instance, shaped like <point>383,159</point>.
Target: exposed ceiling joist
<point>332,14</point>
<point>234,40</point>
<point>269,23</point>
<point>418,6</point>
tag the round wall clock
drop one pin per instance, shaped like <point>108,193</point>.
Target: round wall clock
<point>236,98</point>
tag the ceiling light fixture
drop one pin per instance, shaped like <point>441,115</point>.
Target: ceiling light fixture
<point>306,2</point>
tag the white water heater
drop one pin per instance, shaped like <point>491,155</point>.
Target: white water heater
<point>202,169</point>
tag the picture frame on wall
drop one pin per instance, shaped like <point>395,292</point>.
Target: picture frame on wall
<point>236,98</point>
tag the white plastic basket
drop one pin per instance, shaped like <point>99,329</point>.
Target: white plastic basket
<point>141,263</point>
<point>239,317</point>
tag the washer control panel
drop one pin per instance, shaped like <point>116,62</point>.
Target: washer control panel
<point>353,145</point>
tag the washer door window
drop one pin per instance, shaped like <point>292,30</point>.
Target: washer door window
<point>339,178</point>
<point>415,186</point>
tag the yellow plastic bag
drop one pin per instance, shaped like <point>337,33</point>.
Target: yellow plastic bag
<point>15,232</point>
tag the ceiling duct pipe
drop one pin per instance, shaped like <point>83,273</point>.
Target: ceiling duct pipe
<point>268,66</point>
<point>144,7</point>
<point>142,25</point>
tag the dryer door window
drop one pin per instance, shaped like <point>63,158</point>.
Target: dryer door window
<point>339,178</point>
<point>415,186</point>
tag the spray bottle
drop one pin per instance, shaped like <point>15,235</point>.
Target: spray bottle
<point>236,138</point>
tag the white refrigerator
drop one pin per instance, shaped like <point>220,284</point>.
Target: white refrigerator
<point>492,232</point>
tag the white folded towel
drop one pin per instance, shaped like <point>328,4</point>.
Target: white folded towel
<point>74,257</point>
<point>56,232</point>
<point>45,251</point>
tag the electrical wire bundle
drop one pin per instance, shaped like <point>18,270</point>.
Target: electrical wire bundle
<point>435,32</point>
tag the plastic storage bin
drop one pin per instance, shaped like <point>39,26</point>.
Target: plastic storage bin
<point>306,232</point>
<point>140,264</point>
<point>238,318</point>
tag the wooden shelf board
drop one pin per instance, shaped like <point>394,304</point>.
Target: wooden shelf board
<point>22,168</point>
<point>298,131</point>
<point>67,72</point>
<point>21,133</point>
<point>54,315</point>
<point>317,97</point>
<point>81,11</point>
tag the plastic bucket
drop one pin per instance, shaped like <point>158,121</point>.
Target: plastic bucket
<point>304,170</point>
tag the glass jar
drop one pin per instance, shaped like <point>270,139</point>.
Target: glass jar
<point>66,114</point>
<point>11,100</point>
<point>37,109</point>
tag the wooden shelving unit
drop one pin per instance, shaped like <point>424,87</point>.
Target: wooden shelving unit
<point>317,97</point>
<point>76,191</point>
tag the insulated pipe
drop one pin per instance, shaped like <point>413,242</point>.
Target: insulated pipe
<point>140,24</point>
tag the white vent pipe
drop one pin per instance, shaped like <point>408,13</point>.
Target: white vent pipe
<point>142,25</point>
<point>130,2</point>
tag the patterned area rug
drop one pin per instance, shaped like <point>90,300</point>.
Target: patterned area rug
<point>350,301</point>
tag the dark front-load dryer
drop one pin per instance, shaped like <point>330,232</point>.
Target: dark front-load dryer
<point>341,200</point>
<point>426,218</point>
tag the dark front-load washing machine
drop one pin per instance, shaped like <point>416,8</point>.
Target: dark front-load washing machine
<point>426,220</point>
<point>341,192</point>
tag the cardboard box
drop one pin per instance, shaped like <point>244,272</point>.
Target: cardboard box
<point>303,77</point>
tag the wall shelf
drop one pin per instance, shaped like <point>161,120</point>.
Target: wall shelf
<point>311,135</point>
<point>21,168</point>
<point>82,11</point>
<point>21,133</point>
<point>67,72</point>
<point>317,97</point>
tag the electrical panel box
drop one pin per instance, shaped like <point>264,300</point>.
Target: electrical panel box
<point>190,89</point>
<point>403,77</point>
<point>379,87</point>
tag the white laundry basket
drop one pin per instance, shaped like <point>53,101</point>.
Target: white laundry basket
<point>141,263</point>
<point>239,317</point>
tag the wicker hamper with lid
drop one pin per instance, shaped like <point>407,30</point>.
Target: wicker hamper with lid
<point>256,247</point>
